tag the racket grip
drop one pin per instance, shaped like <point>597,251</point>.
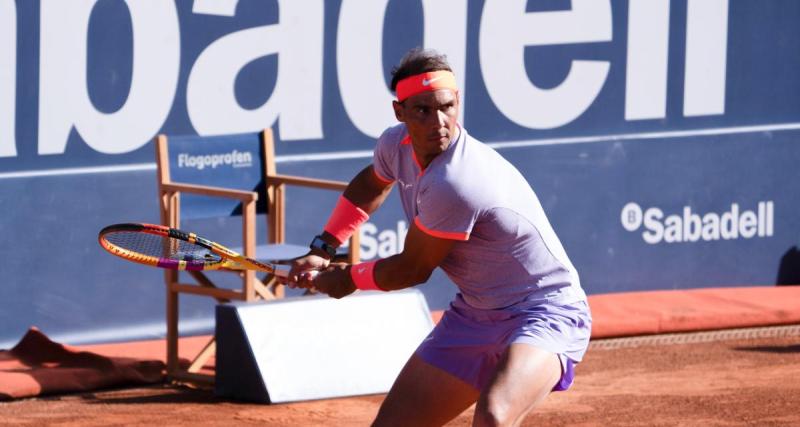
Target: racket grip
<point>284,274</point>
<point>312,274</point>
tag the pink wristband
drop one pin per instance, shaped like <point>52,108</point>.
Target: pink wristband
<point>363,276</point>
<point>345,219</point>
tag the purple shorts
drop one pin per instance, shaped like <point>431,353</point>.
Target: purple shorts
<point>468,342</point>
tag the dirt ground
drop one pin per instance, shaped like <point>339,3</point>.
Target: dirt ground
<point>669,381</point>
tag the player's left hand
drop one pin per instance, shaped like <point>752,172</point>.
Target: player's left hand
<point>334,281</point>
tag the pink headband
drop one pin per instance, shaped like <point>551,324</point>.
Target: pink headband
<point>425,82</point>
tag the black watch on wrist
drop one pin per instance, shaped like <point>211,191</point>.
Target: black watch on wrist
<point>322,245</point>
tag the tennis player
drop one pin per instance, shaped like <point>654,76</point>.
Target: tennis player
<point>520,321</point>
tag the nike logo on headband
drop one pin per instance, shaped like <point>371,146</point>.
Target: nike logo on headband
<point>427,82</point>
<point>424,82</point>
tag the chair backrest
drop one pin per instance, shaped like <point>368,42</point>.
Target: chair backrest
<point>240,162</point>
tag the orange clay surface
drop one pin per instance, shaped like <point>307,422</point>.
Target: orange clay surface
<point>668,373</point>
<point>731,380</point>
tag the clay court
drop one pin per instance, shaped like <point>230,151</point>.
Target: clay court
<point>733,377</point>
<point>726,356</point>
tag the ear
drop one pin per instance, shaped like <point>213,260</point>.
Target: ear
<point>398,111</point>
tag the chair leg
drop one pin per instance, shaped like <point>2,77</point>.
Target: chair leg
<point>279,290</point>
<point>172,332</point>
<point>202,357</point>
<point>263,290</point>
<point>270,288</point>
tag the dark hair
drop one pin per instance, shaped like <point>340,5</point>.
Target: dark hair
<point>417,61</point>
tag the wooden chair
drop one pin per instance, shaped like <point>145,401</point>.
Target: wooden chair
<point>204,177</point>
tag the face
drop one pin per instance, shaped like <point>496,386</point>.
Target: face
<point>431,119</point>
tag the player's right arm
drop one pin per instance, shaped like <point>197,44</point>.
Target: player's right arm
<point>421,254</point>
<point>367,191</point>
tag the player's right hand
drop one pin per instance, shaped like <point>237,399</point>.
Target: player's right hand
<point>300,276</point>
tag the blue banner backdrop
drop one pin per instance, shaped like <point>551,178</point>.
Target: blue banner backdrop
<point>660,135</point>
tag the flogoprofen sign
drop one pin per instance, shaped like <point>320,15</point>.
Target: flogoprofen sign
<point>234,159</point>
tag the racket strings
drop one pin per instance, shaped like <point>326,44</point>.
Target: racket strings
<point>161,247</point>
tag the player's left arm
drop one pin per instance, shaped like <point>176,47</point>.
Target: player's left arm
<point>421,254</point>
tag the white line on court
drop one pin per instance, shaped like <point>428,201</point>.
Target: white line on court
<point>345,155</point>
<point>79,171</point>
<point>649,135</point>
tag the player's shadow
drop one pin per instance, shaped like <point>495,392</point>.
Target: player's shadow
<point>164,394</point>
<point>778,349</point>
<point>789,268</point>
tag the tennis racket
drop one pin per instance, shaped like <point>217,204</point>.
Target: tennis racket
<point>165,247</point>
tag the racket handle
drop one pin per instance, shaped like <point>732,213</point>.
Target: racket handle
<point>283,274</point>
<point>312,274</point>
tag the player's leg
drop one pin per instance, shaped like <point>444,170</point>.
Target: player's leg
<point>424,395</point>
<point>524,376</point>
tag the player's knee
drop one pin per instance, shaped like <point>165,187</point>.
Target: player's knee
<point>492,411</point>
